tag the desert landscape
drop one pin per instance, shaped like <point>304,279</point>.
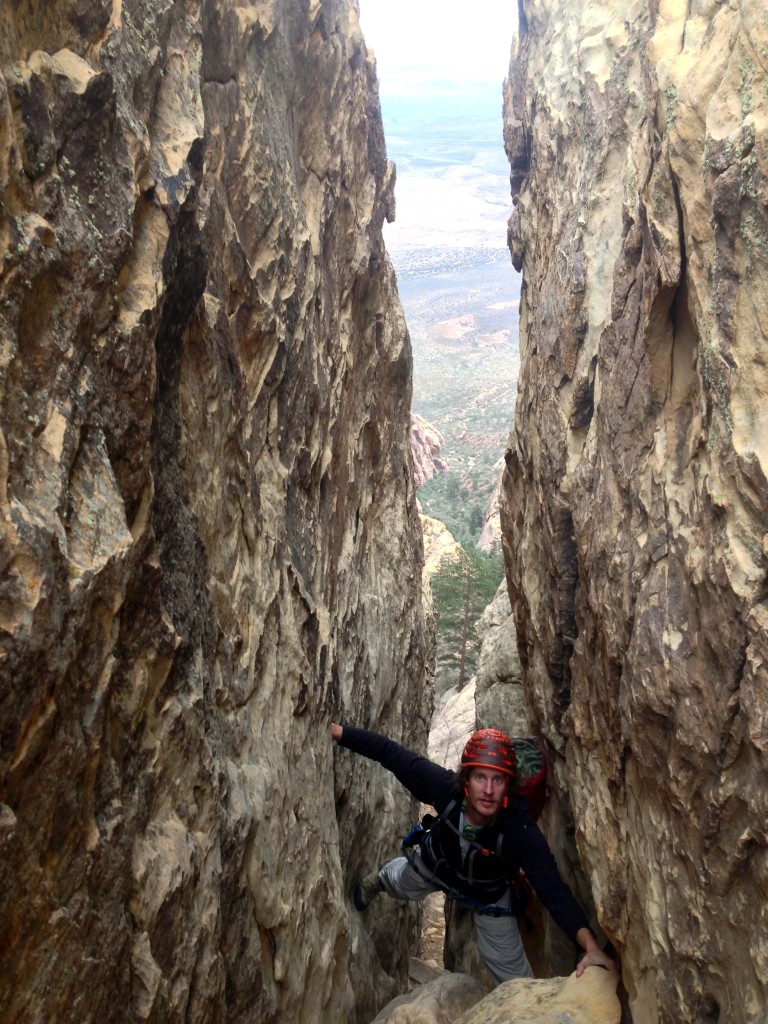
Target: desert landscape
<point>458,287</point>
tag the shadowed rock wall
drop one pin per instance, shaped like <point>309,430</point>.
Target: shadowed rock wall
<point>209,535</point>
<point>636,492</point>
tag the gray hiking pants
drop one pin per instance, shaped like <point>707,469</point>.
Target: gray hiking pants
<point>498,938</point>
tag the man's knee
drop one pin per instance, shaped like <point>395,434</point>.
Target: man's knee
<point>402,880</point>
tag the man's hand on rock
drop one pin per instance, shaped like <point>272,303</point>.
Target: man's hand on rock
<point>593,955</point>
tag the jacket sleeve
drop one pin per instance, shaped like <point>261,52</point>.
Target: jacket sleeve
<point>428,782</point>
<point>525,845</point>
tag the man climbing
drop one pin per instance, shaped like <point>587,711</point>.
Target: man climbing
<point>482,835</point>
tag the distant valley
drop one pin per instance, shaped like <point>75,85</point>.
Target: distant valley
<point>458,287</point>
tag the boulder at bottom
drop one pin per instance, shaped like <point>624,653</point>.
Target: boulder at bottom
<point>590,999</point>
<point>441,1001</point>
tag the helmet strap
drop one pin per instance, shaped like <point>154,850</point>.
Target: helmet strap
<point>467,798</point>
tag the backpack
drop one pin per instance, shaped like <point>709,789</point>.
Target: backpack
<point>532,771</point>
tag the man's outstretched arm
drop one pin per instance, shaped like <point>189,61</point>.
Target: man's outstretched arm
<point>427,781</point>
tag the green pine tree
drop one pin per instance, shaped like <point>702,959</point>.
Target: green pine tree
<point>461,591</point>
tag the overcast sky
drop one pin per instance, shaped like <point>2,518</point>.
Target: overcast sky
<point>465,40</point>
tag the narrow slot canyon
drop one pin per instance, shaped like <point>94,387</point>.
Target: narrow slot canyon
<point>241,503</point>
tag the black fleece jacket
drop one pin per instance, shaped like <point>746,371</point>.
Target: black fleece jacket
<point>523,844</point>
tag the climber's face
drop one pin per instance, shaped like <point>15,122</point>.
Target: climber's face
<point>486,790</point>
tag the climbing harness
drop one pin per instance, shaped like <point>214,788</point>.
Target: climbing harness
<point>486,748</point>
<point>433,863</point>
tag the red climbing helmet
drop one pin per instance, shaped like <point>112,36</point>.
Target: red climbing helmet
<point>489,748</point>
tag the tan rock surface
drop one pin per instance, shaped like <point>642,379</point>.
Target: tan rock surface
<point>209,536</point>
<point>439,544</point>
<point>441,1001</point>
<point>635,498</point>
<point>426,443</point>
<point>590,999</point>
<point>499,682</point>
<point>490,536</point>
<point>461,999</point>
<point>453,722</point>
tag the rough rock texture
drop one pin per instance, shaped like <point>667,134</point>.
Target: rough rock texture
<point>490,536</point>
<point>453,722</point>
<point>441,1001</point>
<point>461,999</point>
<point>209,540</point>
<point>590,999</point>
<point>635,496</point>
<point>499,691</point>
<point>439,545</point>
<point>426,442</point>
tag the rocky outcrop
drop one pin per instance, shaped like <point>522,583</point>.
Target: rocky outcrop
<point>490,535</point>
<point>441,1001</point>
<point>453,722</point>
<point>635,493</point>
<point>590,999</point>
<point>426,444</point>
<point>499,690</point>
<point>439,545</point>
<point>460,999</point>
<point>209,542</point>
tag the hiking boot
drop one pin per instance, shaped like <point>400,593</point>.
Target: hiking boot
<point>367,889</point>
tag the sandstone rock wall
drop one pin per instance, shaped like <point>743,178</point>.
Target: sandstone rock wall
<point>426,442</point>
<point>500,701</point>
<point>490,536</point>
<point>209,539</point>
<point>636,492</point>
